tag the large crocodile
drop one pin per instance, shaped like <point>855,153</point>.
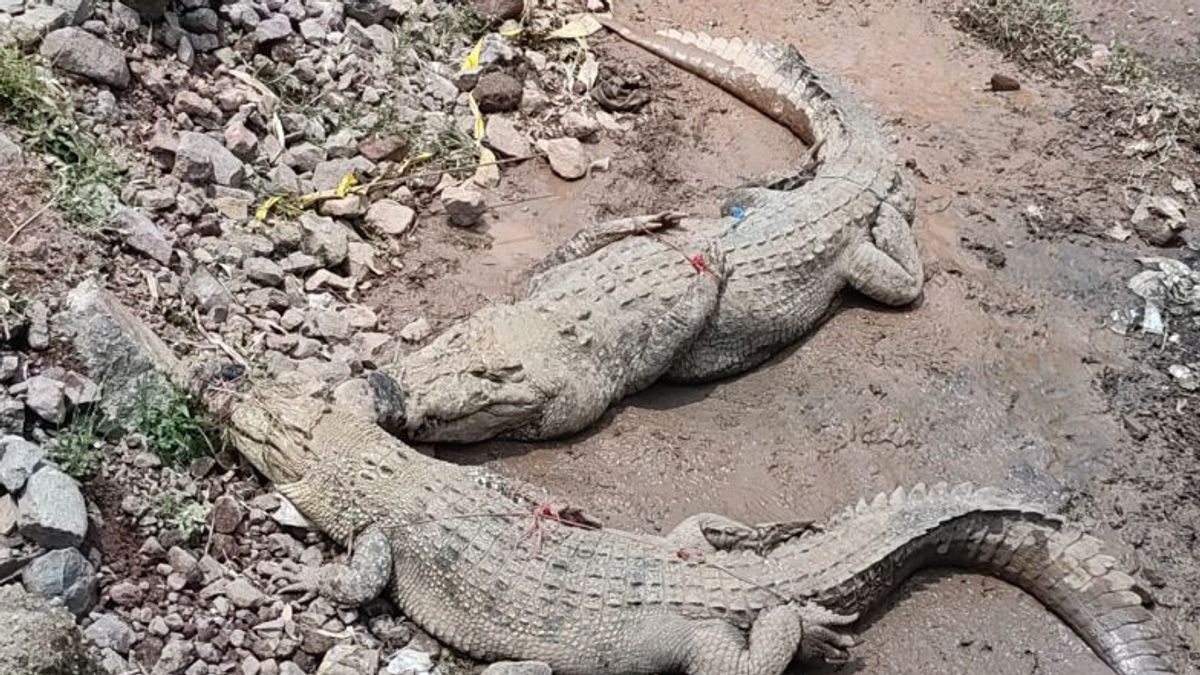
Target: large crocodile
<point>499,570</point>
<point>617,311</point>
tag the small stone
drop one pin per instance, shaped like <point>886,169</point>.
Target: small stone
<point>126,594</point>
<point>464,205</point>
<point>37,21</point>
<point>80,390</point>
<point>1004,83</point>
<point>498,92</point>
<point>207,292</point>
<point>518,668</point>
<point>325,238</point>
<point>227,514</point>
<point>389,148</point>
<point>175,657</point>
<point>303,157</point>
<point>350,206</point>
<point>263,271</point>
<point>18,461</point>
<point>110,632</point>
<point>149,10</point>
<point>64,574</point>
<point>194,104</point>
<point>243,595</point>
<point>567,157</point>
<point>38,335</point>
<point>329,174</point>
<point>272,30</point>
<point>81,53</point>
<point>330,325</point>
<point>503,137</point>
<point>416,331</point>
<point>46,398</point>
<point>499,10</point>
<point>578,125</point>
<point>8,515</point>
<point>283,179</point>
<point>52,511</point>
<point>142,235</point>
<point>240,140</point>
<point>10,365</point>
<point>1185,377</point>
<point>200,159</point>
<point>390,217</point>
<point>349,660</point>
<point>201,20</point>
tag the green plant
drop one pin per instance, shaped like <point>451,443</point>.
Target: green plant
<point>74,450</point>
<point>455,25</point>
<point>87,175</point>
<point>181,511</point>
<point>1127,67</point>
<point>174,430</point>
<point>1035,31</point>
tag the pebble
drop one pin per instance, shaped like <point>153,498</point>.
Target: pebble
<point>567,157</point>
<point>64,574</point>
<point>81,53</point>
<point>46,398</point>
<point>273,29</point>
<point>227,514</point>
<point>390,217</point>
<point>464,205</point>
<point>503,137</point>
<point>110,632</point>
<point>18,460</point>
<point>52,511</point>
<point>243,594</point>
<point>201,159</point>
<point>498,92</point>
<point>417,331</point>
<point>143,235</point>
<point>263,271</point>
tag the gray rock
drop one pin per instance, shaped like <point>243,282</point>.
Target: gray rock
<point>350,206</point>
<point>149,10</point>
<point>18,460</point>
<point>39,326</point>
<point>101,332</point>
<point>207,292</point>
<point>201,159</point>
<point>272,30</point>
<point>52,512</point>
<point>349,660</point>
<point>578,125</point>
<point>12,414</point>
<point>303,157</point>
<point>518,668</point>
<point>416,331</point>
<point>11,156</point>
<point>240,140</point>
<point>498,92</point>
<point>8,515</point>
<point>330,325</point>
<point>126,594</point>
<point>243,594</point>
<point>390,217</point>
<point>227,514</point>
<point>379,148</point>
<point>503,137</point>
<point>77,11</point>
<point>110,632</point>
<point>263,271</point>
<point>64,574</point>
<point>325,238</point>
<point>10,365</point>
<point>567,157</point>
<point>191,103</point>
<point>499,10</point>
<point>78,51</point>
<point>283,180</point>
<point>176,656</point>
<point>142,235</point>
<point>39,639</point>
<point>327,174</point>
<point>80,390</point>
<point>46,398</point>
<point>38,20</point>
<point>464,205</point>
<point>201,20</point>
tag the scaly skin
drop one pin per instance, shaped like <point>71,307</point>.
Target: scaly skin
<point>489,567</point>
<point>607,320</point>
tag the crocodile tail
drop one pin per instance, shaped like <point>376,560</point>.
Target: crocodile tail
<point>775,81</point>
<point>865,552</point>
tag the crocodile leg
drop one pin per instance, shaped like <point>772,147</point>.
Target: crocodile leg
<point>679,325</point>
<point>711,532</point>
<point>365,577</point>
<point>596,236</point>
<point>719,648</point>
<point>888,268</point>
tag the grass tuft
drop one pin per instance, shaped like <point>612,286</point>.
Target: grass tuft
<point>182,512</point>
<point>175,431</point>
<point>1033,31</point>
<point>74,450</point>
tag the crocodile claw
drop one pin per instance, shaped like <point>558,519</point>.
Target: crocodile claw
<point>821,640</point>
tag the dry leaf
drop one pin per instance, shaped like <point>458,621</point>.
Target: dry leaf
<point>579,27</point>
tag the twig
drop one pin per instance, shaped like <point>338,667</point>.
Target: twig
<point>36,214</point>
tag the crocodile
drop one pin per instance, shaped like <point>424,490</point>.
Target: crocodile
<point>498,569</point>
<point>625,303</point>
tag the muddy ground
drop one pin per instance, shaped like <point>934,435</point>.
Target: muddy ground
<point>1005,373</point>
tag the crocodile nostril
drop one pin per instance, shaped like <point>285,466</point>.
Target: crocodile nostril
<point>389,402</point>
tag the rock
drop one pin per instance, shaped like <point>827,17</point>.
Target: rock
<point>416,331</point>
<point>81,53</point>
<point>46,398</point>
<point>11,156</point>
<point>80,390</point>
<point>1159,220</point>
<point>350,206</point>
<point>1185,377</point>
<point>464,205</point>
<point>38,336</point>
<point>207,292</point>
<point>272,30</point>
<point>355,395</point>
<point>142,235</point>
<point>503,137</point>
<point>329,173</point>
<point>78,11</point>
<point>227,514</point>
<point>39,639</point>
<point>243,595</point>
<point>201,20</point>
<point>18,461</point>
<point>330,325</point>
<point>390,148</point>
<point>578,125</point>
<point>8,515</point>
<point>518,668</point>
<point>499,10</point>
<point>242,142</point>
<point>303,157</point>
<point>390,217</point>
<point>125,594</point>
<point>10,365</point>
<point>288,515</point>
<point>567,157</point>
<point>37,21</point>
<point>349,660</point>
<point>175,657</point>
<point>64,574</point>
<point>325,238</point>
<point>191,103</point>
<point>101,332</point>
<point>12,414</point>
<point>201,159</point>
<point>52,511</point>
<point>149,10</point>
<point>410,661</point>
<point>110,632</point>
<point>498,92</point>
<point>263,271</point>
<point>1004,83</point>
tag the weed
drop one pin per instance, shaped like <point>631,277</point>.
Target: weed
<point>74,450</point>
<point>1129,68</point>
<point>455,25</point>
<point>1034,31</point>
<point>87,175</point>
<point>181,512</point>
<point>174,431</point>
<point>450,148</point>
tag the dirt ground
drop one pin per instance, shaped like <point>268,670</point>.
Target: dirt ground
<point>1004,374</point>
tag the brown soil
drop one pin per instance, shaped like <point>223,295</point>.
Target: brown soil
<point>1004,374</point>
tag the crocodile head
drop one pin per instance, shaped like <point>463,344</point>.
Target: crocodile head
<point>497,374</point>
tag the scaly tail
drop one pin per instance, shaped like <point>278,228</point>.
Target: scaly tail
<point>868,550</point>
<point>773,80</point>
